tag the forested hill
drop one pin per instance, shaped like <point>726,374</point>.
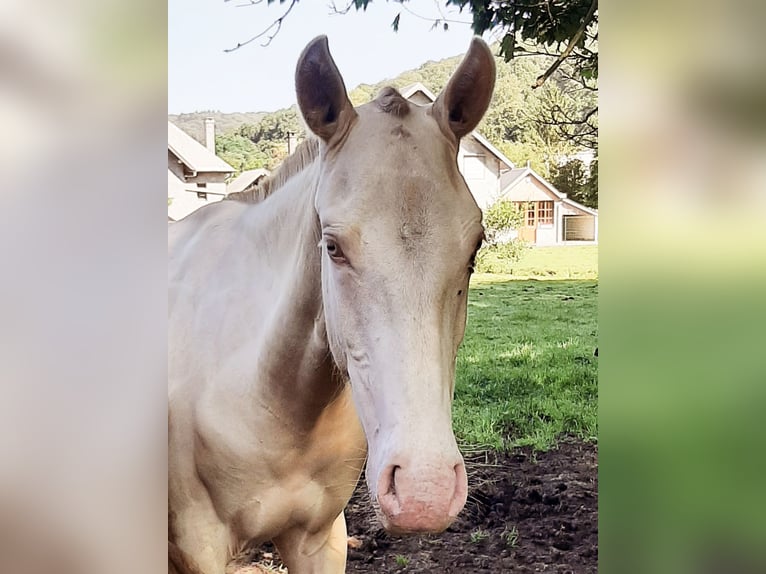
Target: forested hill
<point>515,122</point>
<point>194,123</point>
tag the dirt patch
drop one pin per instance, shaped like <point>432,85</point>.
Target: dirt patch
<point>526,512</point>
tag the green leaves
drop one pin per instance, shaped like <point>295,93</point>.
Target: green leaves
<point>502,216</point>
<point>507,46</point>
<point>547,26</point>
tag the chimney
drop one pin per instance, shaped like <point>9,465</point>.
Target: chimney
<point>529,163</point>
<point>290,143</point>
<point>210,134</point>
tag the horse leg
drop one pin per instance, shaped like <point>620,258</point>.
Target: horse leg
<point>179,563</point>
<point>202,548</point>
<point>323,552</point>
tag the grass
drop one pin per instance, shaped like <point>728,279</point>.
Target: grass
<point>511,536</point>
<point>563,262</point>
<point>479,535</point>
<point>526,374</point>
<point>401,560</point>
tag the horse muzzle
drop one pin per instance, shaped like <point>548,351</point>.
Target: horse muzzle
<point>421,497</point>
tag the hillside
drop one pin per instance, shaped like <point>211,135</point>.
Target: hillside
<point>194,123</point>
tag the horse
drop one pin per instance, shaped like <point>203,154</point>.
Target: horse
<point>314,324</point>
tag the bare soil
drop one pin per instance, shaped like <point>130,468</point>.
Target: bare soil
<point>527,512</point>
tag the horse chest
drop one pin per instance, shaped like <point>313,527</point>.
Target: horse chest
<point>263,478</point>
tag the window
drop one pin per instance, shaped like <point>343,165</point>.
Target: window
<point>202,195</point>
<point>531,214</point>
<point>545,212</point>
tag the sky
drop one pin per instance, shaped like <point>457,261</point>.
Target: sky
<point>201,76</point>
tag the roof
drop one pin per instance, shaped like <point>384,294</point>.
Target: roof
<point>413,89</point>
<point>580,206</point>
<point>516,176</point>
<point>193,154</point>
<point>245,179</point>
<point>511,179</point>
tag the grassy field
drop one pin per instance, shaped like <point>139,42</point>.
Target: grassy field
<point>567,262</point>
<point>526,373</point>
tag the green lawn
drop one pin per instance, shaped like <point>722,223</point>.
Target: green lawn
<point>564,262</point>
<point>526,373</point>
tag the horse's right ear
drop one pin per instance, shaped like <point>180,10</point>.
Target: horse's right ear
<point>462,104</point>
<point>321,93</point>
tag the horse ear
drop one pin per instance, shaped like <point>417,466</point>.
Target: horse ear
<point>321,93</point>
<point>462,104</point>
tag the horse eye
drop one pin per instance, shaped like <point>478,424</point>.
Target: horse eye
<point>334,250</point>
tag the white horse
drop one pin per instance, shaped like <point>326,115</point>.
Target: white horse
<point>316,321</point>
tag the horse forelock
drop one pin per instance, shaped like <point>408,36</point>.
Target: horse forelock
<point>304,155</point>
<point>392,102</point>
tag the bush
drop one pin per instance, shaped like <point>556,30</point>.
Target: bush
<point>502,216</point>
<point>499,258</point>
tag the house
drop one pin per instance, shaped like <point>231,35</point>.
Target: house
<point>196,176</point>
<point>246,180</point>
<point>551,217</point>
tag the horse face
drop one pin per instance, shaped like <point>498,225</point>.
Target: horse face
<point>399,233</point>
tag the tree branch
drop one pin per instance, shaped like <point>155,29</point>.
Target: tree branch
<point>571,46</point>
<point>568,119</point>
<point>436,21</point>
<point>247,3</point>
<point>342,12</point>
<point>275,24</point>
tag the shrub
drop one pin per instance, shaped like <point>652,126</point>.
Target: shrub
<point>502,216</point>
<point>499,258</point>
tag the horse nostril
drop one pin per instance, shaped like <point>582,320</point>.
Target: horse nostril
<point>461,490</point>
<point>392,484</point>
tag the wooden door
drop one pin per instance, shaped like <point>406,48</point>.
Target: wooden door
<point>528,232</point>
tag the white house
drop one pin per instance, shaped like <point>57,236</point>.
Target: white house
<point>196,176</point>
<point>551,217</point>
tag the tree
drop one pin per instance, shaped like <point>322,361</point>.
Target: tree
<point>590,197</point>
<point>239,152</point>
<point>276,126</point>
<point>573,179</point>
<point>263,144</point>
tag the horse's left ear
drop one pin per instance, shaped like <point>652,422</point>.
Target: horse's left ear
<point>321,93</point>
<point>461,105</point>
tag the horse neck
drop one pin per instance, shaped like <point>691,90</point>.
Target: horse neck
<point>295,359</point>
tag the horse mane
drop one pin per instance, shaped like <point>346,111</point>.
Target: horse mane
<point>304,154</point>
